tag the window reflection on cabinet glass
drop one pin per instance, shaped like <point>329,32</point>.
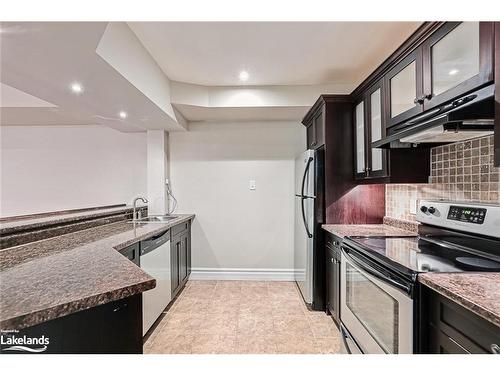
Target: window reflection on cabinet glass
<point>455,58</point>
<point>376,128</point>
<point>404,90</point>
<point>360,138</point>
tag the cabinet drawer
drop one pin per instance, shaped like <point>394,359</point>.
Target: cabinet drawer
<point>462,327</point>
<point>179,228</point>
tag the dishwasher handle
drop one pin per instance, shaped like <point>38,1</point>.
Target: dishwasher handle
<point>153,242</point>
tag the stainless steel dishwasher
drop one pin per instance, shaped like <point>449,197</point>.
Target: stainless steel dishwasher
<point>155,260</point>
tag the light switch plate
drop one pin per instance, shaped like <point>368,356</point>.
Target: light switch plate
<point>251,184</point>
<point>413,206</point>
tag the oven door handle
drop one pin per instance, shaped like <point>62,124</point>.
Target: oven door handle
<point>453,246</point>
<point>379,275</point>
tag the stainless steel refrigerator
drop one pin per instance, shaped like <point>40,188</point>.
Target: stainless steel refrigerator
<point>309,215</point>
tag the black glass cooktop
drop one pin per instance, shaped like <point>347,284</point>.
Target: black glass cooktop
<point>415,255</point>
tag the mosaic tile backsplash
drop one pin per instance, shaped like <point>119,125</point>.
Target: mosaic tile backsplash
<point>460,171</point>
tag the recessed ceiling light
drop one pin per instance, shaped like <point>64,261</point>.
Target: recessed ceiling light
<point>123,114</point>
<point>453,72</point>
<point>244,76</point>
<point>76,88</point>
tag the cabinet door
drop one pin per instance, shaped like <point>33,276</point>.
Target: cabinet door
<point>188,241</point>
<point>311,136</point>
<point>319,129</point>
<point>183,259</point>
<point>330,281</point>
<point>336,289</point>
<point>360,140</point>
<point>404,89</point>
<point>376,130</point>
<point>333,282</point>
<point>458,58</point>
<point>174,263</point>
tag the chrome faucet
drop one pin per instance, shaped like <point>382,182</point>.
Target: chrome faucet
<point>137,215</point>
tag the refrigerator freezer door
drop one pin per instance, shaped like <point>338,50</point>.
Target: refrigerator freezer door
<point>304,174</point>
<point>303,246</point>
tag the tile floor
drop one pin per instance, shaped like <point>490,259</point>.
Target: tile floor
<point>242,317</point>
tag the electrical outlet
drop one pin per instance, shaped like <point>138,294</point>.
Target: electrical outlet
<point>251,185</point>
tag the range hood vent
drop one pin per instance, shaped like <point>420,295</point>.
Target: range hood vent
<point>469,117</point>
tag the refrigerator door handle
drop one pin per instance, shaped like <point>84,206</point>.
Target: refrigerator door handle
<point>302,200</point>
<point>306,172</point>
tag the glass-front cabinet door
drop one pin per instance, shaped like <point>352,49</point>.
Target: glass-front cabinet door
<point>404,89</point>
<point>457,59</point>
<point>360,141</point>
<point>376,156</point>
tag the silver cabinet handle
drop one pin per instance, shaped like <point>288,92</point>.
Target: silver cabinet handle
<point>332,260</point>
<point>495,349</point>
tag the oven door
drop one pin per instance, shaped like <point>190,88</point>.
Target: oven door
<point>376,308</point>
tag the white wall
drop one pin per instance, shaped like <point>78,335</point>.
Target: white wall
<point>157,171</point>
<point>238,233</point>
<point>51,168</point>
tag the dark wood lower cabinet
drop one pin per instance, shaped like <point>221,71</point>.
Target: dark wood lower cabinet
<point>450,328</point>
<point>112,328</point>
<point>180,256</point>
<point>174,264</point>
<point>333,276</point>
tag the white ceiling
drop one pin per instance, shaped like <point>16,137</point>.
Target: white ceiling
<point>290,64</point>
<point>274,53</point>
<point>12,97</point>
<point>40,60</point>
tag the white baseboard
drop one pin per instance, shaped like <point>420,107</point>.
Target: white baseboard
<point>256,274</point>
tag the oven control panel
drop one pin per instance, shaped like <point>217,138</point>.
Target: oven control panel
<point>467,214</point>
<point>474,218</point>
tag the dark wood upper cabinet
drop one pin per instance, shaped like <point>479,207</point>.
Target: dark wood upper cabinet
<point>440,62</point>
<point>369,120</point>
<point>404,89</point>
<point>457,59</point>
<point>360,143</point>
<point>315,128</point>
<point>372,165</point>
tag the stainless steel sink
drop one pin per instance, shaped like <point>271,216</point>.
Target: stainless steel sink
<point>155,219</point>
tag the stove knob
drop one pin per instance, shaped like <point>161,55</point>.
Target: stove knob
<point>431,210</point>
<point>423,209</point>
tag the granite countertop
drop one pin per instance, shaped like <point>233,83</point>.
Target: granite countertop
<point>344,230</point>
<point>478,292</point>
<point>15,224</point>
<point>61,275</point>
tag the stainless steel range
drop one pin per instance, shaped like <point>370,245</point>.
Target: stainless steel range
<point>379,275</point>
